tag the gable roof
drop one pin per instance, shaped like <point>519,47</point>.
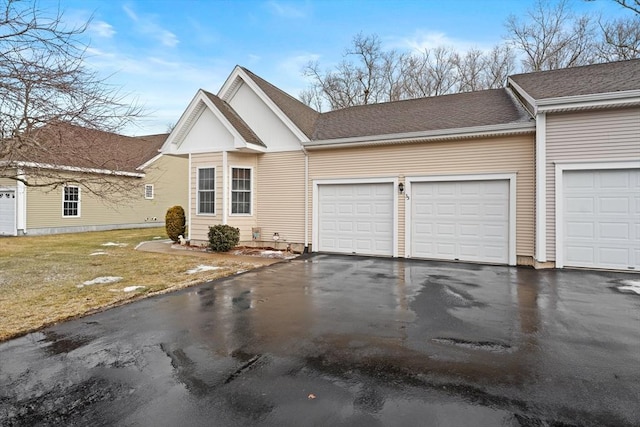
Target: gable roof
<point>447,112</point>
<point>303,116</point>
<point>64,145</point>
<point>586,80</point>
<point>234,119</point>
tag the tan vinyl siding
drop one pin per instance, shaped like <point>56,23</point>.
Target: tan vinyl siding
<point>7,183</point>
<point>167,174</point>
<point>587,136</point>
<point>488,155</point>
<point>280,192</point>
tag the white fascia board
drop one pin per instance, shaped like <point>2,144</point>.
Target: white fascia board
<point>36,165</point>
<point>231,85</point>
<point>149,162</point>
<point>599,100</point>
<point>193,110</point>
<point>437,135</point>
<point>523,93</point>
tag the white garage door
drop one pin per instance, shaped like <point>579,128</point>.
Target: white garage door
<point>601,219</point>
<point>460,220</point>
<point>356,218</point>
<point>7,213</point>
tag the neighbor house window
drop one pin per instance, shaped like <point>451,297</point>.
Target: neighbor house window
<point>148,191</point>
<point>71,201</point>
<point>240,191</point>
<point>207,191</point>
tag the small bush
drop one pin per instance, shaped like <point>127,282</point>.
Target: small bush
<point>223,237</point>
<point>175,222</point>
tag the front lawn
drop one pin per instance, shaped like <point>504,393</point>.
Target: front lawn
<point>42,278</point>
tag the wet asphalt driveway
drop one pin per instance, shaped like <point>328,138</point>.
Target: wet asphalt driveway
<point>332,340</point>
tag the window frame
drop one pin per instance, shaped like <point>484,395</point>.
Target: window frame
<point>198,191</point>
<point>232,191</point>
<point>153,192</point>
<point>77,202</point>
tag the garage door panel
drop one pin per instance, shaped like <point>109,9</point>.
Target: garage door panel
<point>467,220</point>
<point>363,218</point>
<point>600,218</point>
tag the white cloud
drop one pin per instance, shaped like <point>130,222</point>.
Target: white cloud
<point>147,26</point>
<point>422,40</point>
<point>287,10</point>
<point>102,29</point>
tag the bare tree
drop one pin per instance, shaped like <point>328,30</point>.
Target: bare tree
<point>552,37</point>
<point>500,63</point>
<point>620,40</point>
<point>44,82</point>
<point>633,5</point>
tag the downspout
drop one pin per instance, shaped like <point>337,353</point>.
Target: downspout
<point>225,162</point>
<point>189,209</point>
<point>306,199</point>
<point>541,187</point>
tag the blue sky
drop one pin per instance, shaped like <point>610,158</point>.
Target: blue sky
<point>162,52</point>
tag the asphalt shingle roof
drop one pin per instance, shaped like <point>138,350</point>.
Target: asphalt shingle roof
<point>303,116</point>
<point>586,80</point>
<point>63,144</point>
<point>236,121</point>
<point>461,110</point>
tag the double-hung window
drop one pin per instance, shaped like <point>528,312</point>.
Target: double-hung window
<point>148,191</point>
<point>71,201</point>
<point>207,191</point>
<point>241,191</point>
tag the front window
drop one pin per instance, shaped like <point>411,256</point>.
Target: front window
<point>207,191</point>
<point>71,201</point>
<point>240,191</point>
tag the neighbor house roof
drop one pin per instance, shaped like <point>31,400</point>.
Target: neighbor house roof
<point>456,111</point>
<point>586,80</point>
<point>303,116</point>
<point>71,146</point>
<point>234,119</point>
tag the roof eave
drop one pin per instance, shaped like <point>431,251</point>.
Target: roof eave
<point>583,102</point>
<point>37,165</point>
<point>425,136</point>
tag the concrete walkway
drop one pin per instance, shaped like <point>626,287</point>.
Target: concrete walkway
<point>167,247</point>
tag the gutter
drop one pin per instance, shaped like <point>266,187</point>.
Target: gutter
<point>36,165</point>
<point>437,135</point>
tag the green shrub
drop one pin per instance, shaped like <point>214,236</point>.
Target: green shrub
<point>223,237</point>
<point>175,222</point>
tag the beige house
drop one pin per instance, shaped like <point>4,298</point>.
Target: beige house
<point>450,177</point>
<point>139,182</point>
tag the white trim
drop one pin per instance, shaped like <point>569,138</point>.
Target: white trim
<point>561,167</point>
<point>21,207</point>
<point>225,186</point>
<point>231,86</point>
<point>190,192</point>
<point>152,192</point>
<point>149,162</point>
<point>511,177</point>
<point>597,100</point>
<point>306,199</point>
<point>36,165</point>
<point>215,191</point>
<point>422,136</point>
<point>541,188</point>
<point>524,94</point>
<point>79,215</point>
<point>316,205</point>
<point>231,168</point>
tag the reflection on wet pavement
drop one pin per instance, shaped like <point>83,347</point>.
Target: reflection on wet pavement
<point>336,340</point>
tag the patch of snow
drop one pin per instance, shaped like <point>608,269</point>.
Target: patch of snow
<point>132,288</point>
<point>120,245</point>
<point>98,253</point>
<point>157,238</point>
<point>100,281</point>
<point>241,271</point>
<point>630,286</point>
<point>202,268</point>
